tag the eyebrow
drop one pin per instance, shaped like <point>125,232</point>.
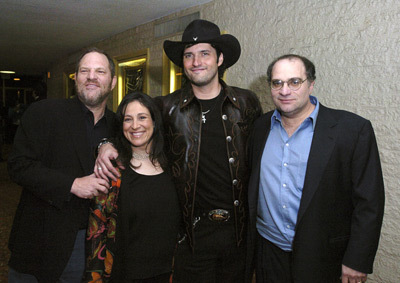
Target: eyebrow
<point>97,68</point>
<point>202,50</point>
<point>287,79</point>
<point>141,113</point>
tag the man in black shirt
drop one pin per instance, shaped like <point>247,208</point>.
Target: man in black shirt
<point>53,159</point>
<point>207,124</point>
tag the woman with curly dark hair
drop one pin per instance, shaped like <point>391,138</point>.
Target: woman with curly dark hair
<point>133,229</point>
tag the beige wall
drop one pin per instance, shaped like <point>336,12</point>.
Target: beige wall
<point>355,47</point>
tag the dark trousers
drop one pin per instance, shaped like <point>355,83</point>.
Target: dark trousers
<point>216,257</point>
<point>72,273</point>
<point>163,278</point>
<point>273,265</point>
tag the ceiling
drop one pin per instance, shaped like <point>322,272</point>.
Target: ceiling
<point>34,34</point>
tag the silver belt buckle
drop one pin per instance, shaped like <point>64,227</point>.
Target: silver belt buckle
<point>219,215</point>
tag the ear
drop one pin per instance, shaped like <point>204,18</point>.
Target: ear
<point>220,59</point>
<point>114,82</point>
<point>311,88</point>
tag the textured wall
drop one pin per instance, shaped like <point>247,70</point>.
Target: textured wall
<point>354,45</point>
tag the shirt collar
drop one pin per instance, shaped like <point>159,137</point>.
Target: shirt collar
<point>188,95</point>
<point>276,117</point>
<point>88,113</point>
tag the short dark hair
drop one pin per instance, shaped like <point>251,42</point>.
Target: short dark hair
<point>310,68</point>
<point>221,68</point>
<point>124,147</point>
<point>97,50</point>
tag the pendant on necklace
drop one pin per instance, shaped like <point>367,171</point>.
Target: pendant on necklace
<point>203,116</point>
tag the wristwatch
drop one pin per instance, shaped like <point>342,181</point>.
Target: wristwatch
<point>102,142</point>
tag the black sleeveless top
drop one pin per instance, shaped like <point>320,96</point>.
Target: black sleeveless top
<point>149,223</point>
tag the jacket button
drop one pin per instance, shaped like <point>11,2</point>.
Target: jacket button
<point>228,138</point>
<point>236,203</point>
<point>224,117</point>
<point>234,182</point>
<point>234,99</point>
<point>231,160</point>
<point>185,100</point>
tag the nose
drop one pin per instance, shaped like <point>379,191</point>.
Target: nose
<point>285,90</point>
<point>92,75</point>
<point>196,60</point>
<point>134,124</point>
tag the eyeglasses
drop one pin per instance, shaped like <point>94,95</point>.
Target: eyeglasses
<point>293,83</point>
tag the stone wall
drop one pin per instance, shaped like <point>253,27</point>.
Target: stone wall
<point>355,47</point>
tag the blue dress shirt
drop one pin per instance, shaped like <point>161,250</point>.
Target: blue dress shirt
<point>282,173</point>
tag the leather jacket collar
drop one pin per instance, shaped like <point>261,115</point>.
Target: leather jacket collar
<point>188,95</point>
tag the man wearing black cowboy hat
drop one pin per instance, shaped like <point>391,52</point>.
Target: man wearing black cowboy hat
<point>207,124</point>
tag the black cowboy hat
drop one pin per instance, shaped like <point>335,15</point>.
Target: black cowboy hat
<point>202,31</point>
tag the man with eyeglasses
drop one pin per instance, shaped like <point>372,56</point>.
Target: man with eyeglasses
<point>316,193</point>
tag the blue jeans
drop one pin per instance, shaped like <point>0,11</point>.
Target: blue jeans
<point>73,271</point>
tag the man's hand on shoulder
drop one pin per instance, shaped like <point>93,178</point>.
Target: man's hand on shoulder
<point>89,186</point>
<point>103,167</point>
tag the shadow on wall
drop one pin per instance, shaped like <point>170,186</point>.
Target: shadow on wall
<point>261,88</point>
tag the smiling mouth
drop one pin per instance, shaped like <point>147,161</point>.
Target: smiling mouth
<point>286,102</point>
<point>137,134</point>
<point>197,70</point>
<point>91,86</point>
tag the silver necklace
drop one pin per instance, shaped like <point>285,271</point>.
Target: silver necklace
<point>140,156</point>
<point>203,115</point>
<point>216,101</point>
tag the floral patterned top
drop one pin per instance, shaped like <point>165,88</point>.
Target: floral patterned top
<point>101,230</point>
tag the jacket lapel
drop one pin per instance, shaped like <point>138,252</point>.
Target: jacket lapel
<point>259,147</point>
<point>256,152</point>
<point>78,134</point>
<point>323,142</point>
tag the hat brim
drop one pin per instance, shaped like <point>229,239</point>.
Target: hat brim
<point>228,44</point>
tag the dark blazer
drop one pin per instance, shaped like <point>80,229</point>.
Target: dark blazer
<point>341,208</point>
<point>50,150</point>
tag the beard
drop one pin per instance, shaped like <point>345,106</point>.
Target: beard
<point>203,80</point>
<point>93,99</point>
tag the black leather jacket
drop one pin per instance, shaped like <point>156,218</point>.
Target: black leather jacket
<point>182,119</point>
